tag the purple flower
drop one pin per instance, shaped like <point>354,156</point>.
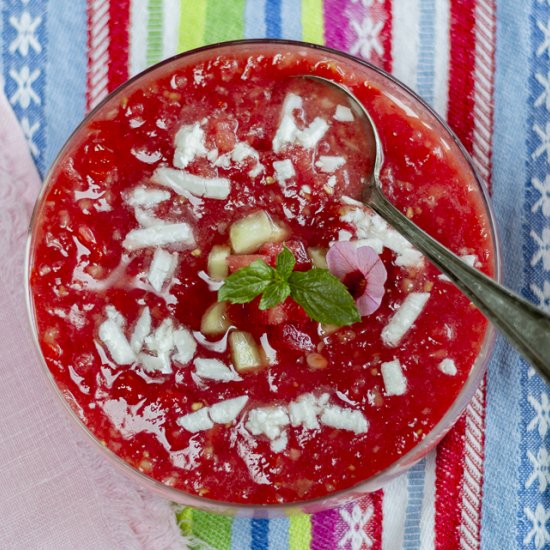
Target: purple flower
<point>362,271</point>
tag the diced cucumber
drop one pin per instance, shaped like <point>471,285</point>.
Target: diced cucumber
<point>244,351</point>
<point>215,321</point>
<point>318,256</point>
<point>217,262</point>
<point>249,233</point>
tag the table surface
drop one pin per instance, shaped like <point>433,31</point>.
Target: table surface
<point>484,65</point>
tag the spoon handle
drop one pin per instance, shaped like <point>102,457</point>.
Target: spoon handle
<point>525,325</point>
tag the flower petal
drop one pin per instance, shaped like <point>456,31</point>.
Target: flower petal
<point>375,274</point>
<point>345,257</point>
<point>342,259</point>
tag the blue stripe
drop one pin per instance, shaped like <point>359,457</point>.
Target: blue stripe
<point>535,407</point>
<point>415,492</point>
<point>25,69</point>
<point>273,18</point>
<point>278,534</point>
<point>240,534</point>
<point>500,505</point>
<point>259,529</point>
<point>254,19</point>
<point>291,18</point>
<point>425,76</point>
<point>67,59</point>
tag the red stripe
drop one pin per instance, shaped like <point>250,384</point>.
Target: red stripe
<point>461,77</point>
<point>98,56</point>
<point>373,528</point>
<point>119,29</point>
<point>381,14</point>
<point>449,468</point>
<point>386,36</point>
<point>450,465</point>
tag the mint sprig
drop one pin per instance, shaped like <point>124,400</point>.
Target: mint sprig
<point>322,295</point>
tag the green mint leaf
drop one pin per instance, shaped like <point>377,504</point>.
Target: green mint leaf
<point>285,263</point>
<point>246,283</point>
<point>277,291</point>
<point>324,297</point>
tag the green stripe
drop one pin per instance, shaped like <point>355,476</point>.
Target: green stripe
<point>224,20</point>
<point>154,32</point>
<point>299,532</point>
<point>192,20</point>
<point>213,529</point>
<point>313,21</point>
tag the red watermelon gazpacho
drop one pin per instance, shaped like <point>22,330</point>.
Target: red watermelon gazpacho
<point>217,306</point>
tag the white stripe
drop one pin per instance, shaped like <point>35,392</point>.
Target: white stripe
<point>427,520</point>
<point>138,36</point>
<point>442,57</point>
<point>406,17</point>
<point>394,505</point>
<point>254,19</point>
<point>170,28</point>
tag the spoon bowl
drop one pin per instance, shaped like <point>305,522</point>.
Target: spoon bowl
<point>525,325</point>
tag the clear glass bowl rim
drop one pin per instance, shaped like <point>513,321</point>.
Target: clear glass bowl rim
<point>338,497</point>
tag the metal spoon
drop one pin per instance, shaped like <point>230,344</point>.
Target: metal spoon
<point>526,326</point>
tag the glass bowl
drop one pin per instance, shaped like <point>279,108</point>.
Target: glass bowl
<point>401,95</point>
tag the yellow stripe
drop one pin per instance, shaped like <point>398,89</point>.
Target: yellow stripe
<point>313,22</point>
<point>184,517</point>
<point>299,532</point>
<point>192,24</point>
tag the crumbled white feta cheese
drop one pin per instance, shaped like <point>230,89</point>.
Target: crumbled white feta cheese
<point>184,183</point>
<point>112,335</point>
<point>448,366</point>
<point>228,410</point>
<point>189,142</point>
<point>270,352</point>
<point>154,363</point>
<point>160,235</point>
<point>115,315</point>
<point>329,164</point>
<point>344,419</point>
<point>161,342</point>
<point>310,136</point>
<point>267,421</point>
<point>162,268</point>
<point>185,344</point>
<point>370,225</point>
<point>395,382</point>
<point>404,318</point>
<point>331,182</point>
<point>284,170</point>
<point>344,235</point>
<point>214,369</point>
<point>279,445</point>
<point>305,410</point>
<point>196,421</point>
<point>242,150</point>
<point>376,244</point>
<point>146,156</point>
<point>343,114</point>
<point>141,330</point>
<point>147,198</point>
<point>288,132</point>
<point>145,218</point>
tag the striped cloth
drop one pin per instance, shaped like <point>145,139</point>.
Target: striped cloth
<point>485,66</point>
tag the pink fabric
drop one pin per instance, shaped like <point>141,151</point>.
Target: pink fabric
<point>56,491</point>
